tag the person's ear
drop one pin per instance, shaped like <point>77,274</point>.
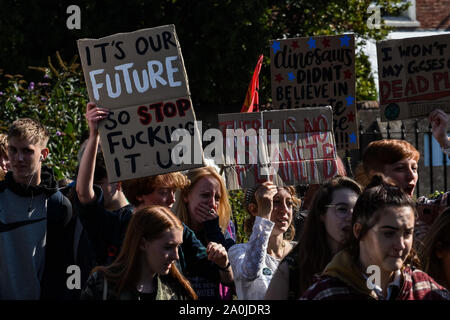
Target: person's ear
<point>357,227</point>
<point>253,209</point>
<point>44,154</point>
<point>119,186</point>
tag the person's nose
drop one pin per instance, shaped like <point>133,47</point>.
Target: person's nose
<point>411,174</point>
<point>171,198</point>
<point>348,217</point>
<point>174,254</point>
<point>400,243</point>
<point>284,208</point>
<point>213,203</point>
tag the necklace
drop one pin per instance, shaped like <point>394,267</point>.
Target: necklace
<point>274,251</point>
<point>283,244</point>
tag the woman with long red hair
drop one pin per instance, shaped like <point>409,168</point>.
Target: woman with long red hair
<point>145,268</point>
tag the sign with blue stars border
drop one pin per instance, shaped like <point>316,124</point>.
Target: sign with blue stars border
<point>318,71</point>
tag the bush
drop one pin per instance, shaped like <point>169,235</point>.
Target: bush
<point>236,198</point>
<point>58,101</point>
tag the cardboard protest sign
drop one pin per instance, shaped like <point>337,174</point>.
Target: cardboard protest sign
<point>414,76</point>
<point>303,150</point>
<point>140,77</point>
<point>318,71</point>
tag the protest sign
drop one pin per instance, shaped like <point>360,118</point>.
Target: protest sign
<point>140,77</point>
<point>318,71</point>
<point>303,150</point>
<point>414,76</point>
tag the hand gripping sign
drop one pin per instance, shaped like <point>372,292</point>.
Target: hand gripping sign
<point>140,77</point>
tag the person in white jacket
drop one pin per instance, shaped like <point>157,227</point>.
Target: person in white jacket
<point>254,263</point>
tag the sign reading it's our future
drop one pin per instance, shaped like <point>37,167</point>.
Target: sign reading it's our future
<point>318,71</point>
<point>414,76</point>
<point>140,77</point>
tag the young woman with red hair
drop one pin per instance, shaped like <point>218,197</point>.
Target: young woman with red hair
<point>145,268</point>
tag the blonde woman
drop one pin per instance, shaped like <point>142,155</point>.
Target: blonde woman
<point>203,206</point>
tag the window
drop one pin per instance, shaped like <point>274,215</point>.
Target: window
<point>407,19</point>
<point>438,159</point>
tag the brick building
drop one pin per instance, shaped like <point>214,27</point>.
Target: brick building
<point>422,18</point>
<point>433,14</point>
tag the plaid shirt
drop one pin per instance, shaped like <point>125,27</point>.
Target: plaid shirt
<point>417,285</point>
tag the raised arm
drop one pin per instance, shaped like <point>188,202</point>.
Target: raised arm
<point>439,121</point>
<point>248,260</point>
<point>85,178</point>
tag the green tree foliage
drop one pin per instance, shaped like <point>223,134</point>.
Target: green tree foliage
<point>301,18</point>
<point>239,214</point>
<point>220,39</point>
<point>58,101</point>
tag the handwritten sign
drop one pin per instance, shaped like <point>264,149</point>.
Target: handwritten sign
<point>302,152</point>
<point>414,76</point>
<point>140,77</point>
<point>318,71</point>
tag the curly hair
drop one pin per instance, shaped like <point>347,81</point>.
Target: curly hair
<point>250,220</point>
<point>3,145</point>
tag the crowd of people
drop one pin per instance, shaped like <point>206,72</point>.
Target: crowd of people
<point>171,236</point>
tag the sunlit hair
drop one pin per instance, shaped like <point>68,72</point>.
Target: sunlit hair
<point>314,252</point>
<point>380,153</point>
<point>141,186</point>
<point>380,194</point>
<point>437,237</point>
<point>250,220</point>
<point>30,130</point>
<point>3,145</point>
<point>194,176</point>
<point>147,223</point>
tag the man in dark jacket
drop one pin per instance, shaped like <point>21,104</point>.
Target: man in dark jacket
<point>32,218</point>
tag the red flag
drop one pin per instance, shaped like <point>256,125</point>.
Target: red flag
<point>252,98</point>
